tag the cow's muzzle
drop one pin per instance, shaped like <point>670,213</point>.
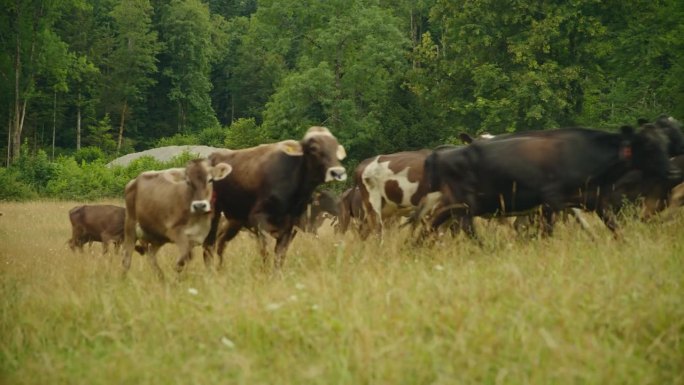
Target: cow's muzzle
<point>335,173</point>
<point>200,207</point>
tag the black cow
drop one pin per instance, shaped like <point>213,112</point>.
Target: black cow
<point>570,167</point>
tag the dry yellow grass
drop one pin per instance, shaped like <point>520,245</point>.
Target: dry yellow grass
<point>553,311</point>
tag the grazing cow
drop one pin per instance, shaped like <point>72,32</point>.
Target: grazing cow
<point>350,209</point>
<point>570,167</point>
<point>272,185</point>
<point>173,205</point>
<point>392,185</point>
<point>323,203</point>
<point>96,223</point>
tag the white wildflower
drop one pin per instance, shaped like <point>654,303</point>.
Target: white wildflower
<point>300,286</point>
<point>193,291</point>
<point>226,341</point>
<point>273,306</point>
<point>439,267</point>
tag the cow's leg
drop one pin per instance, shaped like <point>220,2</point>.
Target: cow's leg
<point>372,207</point>
<point>262,245</point>
<point>210,240</point>
<point>546,220</point>
<point>608,217</point>
<point>282,244</point>
<point>152,258</point>
<point>129,239</point>
<point>225,237</point>
<point>185,248</point>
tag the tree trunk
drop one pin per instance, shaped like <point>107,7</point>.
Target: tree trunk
<point>16,129</point>
<point>9,136</point>
<point>78,122</point>
<point>54,123</point>
<point>121,126</point>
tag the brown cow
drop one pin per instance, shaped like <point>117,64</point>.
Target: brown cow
<point>392,185</point>
<point>96,223</point>
<point>173,205</point>
<point>350,209</point>
<point>271,186</point>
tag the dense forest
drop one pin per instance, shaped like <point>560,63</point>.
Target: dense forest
<point>382,75</point>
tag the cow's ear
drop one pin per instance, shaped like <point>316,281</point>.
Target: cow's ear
<point>174,175</point>
<point>627,130</point>
<point>465,138</point>
<point>291,147</point>
<point>341,153</point>
<point>221,171</point>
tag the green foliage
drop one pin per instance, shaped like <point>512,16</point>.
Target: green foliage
<point>35,170</point>
<point>14,188</point>
<point>244,133</point>
<point>384,76</point>
<point>101,135</point>
<point>187,34</point>
<point>177,140</point>
<point>89,154</point>
<point>84,176</point>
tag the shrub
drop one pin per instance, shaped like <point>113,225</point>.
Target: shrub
<point>244,133</point>
<point>89,154</point>
<point>177,140</point>
<point>12,188</point>
<point>34,170</point>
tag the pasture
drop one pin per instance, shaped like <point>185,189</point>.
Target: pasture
<point>565,310</point>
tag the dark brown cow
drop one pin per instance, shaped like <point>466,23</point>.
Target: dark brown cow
<point>96,223</point>
<point>392,185</point>
<point>173,205</point>
<point>350,209</point>
<point>272,185</point>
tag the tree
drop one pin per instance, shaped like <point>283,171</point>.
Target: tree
<point>133,60</point>
<point>498,66</point>
<point>187,31</point>
<point>350,61</point>
<point>27,35</point>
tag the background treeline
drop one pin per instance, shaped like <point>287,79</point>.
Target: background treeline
<point>383,75</point>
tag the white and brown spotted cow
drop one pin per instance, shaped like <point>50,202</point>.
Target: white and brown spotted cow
<point>173,205</point>
<point>392,185</point>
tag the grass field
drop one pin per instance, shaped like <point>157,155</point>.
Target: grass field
<point>565,310</point>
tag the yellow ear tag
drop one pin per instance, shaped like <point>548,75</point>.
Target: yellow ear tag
<point>292,148</point>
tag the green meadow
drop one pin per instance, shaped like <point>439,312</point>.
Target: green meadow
<point>517,310</point>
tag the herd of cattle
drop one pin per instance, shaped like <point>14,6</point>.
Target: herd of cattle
<point>272,188</point>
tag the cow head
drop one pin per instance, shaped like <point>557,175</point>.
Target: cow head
<point>646,150</point>
<point>199,176</point>
<point>323,154</point>
<point>673,130</point>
